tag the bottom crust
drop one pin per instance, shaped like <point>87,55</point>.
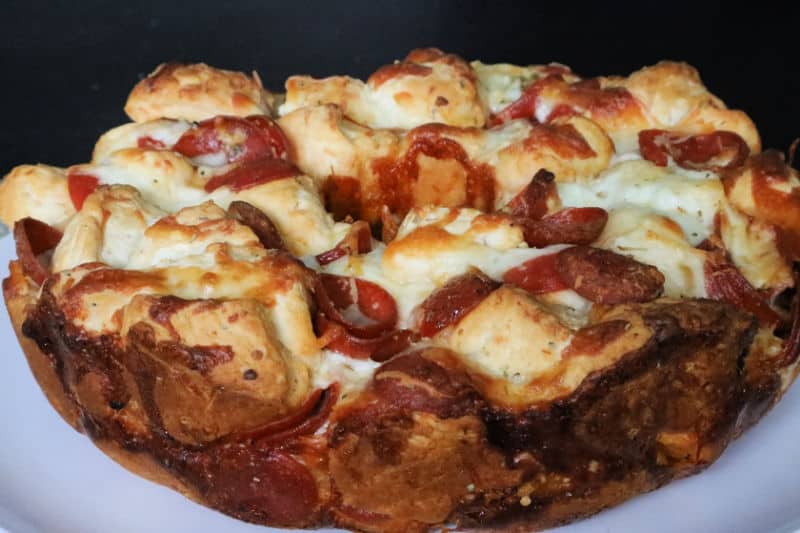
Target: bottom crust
<point>354,452</point>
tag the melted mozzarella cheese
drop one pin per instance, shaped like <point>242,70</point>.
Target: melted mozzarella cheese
<point>692,199</point>
<point>501,84</point>
<point>351,374</point>
<point>165,131</point>
<point>658,241</point>
<point>438,244</point>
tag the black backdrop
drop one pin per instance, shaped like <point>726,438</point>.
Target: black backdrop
<point>68,66</point>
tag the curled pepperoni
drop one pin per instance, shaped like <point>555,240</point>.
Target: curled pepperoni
<point>357,241</point>
<point>537,276</point>
<point>525,105</point>
<point>717,150</point>
<point>252,173</point>
<point>380,348</point>
<point>240,139</point>
<point>80,186</point>
<point>34,238</point>
<point>448,304</point>
<point>725,283</point>
<point>607,277</point>
<point>370,309</point>
<point>358,318</point>
<point>306,420</point>
<point>259,222</point>
<point>531,202</point>
<point>574,225</point>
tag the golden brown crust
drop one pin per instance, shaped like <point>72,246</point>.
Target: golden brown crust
<point>197,92</point>
<point>427,86</point>
<point>37,191</point>
<point>496,471</point>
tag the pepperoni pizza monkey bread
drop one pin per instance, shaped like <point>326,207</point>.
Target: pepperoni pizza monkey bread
<point>486,295</point>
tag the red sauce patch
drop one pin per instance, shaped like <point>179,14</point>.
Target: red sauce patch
<point>396,177</point>
<point>342,196</point>
<point>776,207</point>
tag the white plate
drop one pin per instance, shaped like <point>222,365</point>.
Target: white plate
<point>53,479</point>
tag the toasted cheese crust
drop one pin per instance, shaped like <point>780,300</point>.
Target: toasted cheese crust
<point>427,86</point>
<point>37,191</point>
<point>467,284</point>
<point>196,92</point>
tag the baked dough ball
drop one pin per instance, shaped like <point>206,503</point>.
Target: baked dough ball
<point>674,97</point>
<point>196,92</point>
<point>427,86</point>
<point>37,191</point>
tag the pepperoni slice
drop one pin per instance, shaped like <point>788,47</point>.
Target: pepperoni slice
<point>571,99</point>
<point>265,485</point>
<point>33,238</point>
<point>537,276</point>
<point>574,225</point>
<point>380,348</point>
<point>591,340</point>
<point>80,186</point>
<point>531,202</point>
<point>370,309</point>
<point>725,283</point>
<point>525,105</point>
<point>240,139</point>
<point>448,304</point>
<point>306,420</point>
<point>717,150</point>
<point>259,222</point>
<point>358,318</point>
<point>357,241</point>
<point>252,173</point>
<point>607,277</point>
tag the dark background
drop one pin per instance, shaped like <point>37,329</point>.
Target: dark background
<point>68,66</point>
